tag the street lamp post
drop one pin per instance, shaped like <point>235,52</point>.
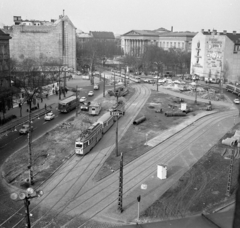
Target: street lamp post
<point>26,197</point>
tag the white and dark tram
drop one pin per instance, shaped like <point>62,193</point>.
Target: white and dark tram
<point>90,137</point>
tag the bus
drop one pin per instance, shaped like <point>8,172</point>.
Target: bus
<point>67,104</point>
<point>230,88</point>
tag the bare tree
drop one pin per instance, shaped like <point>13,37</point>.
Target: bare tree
<point>30,82</point>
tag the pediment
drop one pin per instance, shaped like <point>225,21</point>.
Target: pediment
<point>132,33</point>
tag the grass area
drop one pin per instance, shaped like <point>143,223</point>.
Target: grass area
<point>132,144</point>
<point>52,149</point>
<point>201,188</point>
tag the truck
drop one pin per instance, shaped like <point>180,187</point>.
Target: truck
<point>118,107</point>
<point>94,109</point>
<point>96,87</point>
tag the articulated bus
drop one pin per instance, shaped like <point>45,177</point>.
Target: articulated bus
<point>67,104</point>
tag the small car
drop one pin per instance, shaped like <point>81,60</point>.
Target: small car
<point>25,129</point>
<point>49,116</point>
<point>236,101</point>
<point>90,93</point>
<point>85,106</point>
<point>82,99</point>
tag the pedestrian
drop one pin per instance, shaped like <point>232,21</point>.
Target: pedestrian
<point>38,105</point>
<point>41,100</point>
<point>45,107</point>
<point>47,95</point>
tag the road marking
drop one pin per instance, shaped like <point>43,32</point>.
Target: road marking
<point>45,122</point>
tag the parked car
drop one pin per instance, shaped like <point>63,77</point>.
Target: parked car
<point>49,116</point>
<point>25,129</point>
<point>90,93</point>
<point>82,99</point>
<point>236,101</point>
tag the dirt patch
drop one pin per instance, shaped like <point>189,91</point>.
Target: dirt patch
<point>132,144</point>
<point>201,188</point>
<point>51,150</point>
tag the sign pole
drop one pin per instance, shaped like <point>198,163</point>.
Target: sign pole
<point>138,199</point>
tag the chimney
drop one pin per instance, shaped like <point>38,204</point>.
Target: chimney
<point>209,30</point>
<point>234,32</point>
<point>172,29</point>
<point>17,20</point>
<point>224,32</point>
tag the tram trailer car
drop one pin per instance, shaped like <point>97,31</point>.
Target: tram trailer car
<point>93,134</point>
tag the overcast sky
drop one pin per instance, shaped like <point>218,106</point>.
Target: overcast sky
<point>121,16</point>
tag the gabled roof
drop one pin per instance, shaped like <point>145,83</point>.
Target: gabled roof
<point>161,30</point>
<point>4,36</point>
<point>141,33</point>
<point>102,35</point>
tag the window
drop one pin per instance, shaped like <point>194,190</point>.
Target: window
<point>170,44</point>
<point>178,44</point>
<point>174,44</point>
<point>163,43</point>
<point>167,44</point>
<point>183,45</point>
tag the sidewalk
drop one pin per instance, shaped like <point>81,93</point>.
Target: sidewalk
<point>16,111</point>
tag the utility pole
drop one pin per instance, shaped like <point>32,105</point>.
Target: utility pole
<point>59,88</point>
<point>30,144</point>
<point>196,93</point>
<point>125,81</point>
<point>117,130</point>
<point>230,174</point>
<point>114,81</point>
<point>77,105</point>
<point>28,221</point>
<point>104,85</point>
<point>120,193</point>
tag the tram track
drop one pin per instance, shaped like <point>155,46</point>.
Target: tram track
<point>128,105</point>
<point>153,159</point>
<point>77,195</point>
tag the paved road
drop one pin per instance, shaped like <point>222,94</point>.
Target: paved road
<point>75,177</point>
<point>72,192</point>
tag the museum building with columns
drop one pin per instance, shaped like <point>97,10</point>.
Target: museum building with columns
<point>135,41</point>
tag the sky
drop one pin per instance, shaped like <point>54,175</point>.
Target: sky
<point>122,16</point>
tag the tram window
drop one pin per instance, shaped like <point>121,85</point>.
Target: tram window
<point>78,145</point>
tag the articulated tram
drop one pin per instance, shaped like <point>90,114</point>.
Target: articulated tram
<point>90,137</point>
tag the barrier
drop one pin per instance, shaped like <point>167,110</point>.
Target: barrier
<point>139,120</point>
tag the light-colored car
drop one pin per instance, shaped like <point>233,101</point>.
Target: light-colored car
<point>49,116</point>
<point>82,99</point>
<point>85,106</point>
<point>25,129</point>
<point>236,101</point>
<point>90,93</point>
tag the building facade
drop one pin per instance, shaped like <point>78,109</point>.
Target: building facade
<point>4,53</point>
<point>216,55</point>
<point>135,41</point>
<point>55,39</point>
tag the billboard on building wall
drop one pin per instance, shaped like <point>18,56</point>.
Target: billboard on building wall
<point>214,56</point>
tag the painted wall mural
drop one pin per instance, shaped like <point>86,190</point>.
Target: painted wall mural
<point>214,56</point>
